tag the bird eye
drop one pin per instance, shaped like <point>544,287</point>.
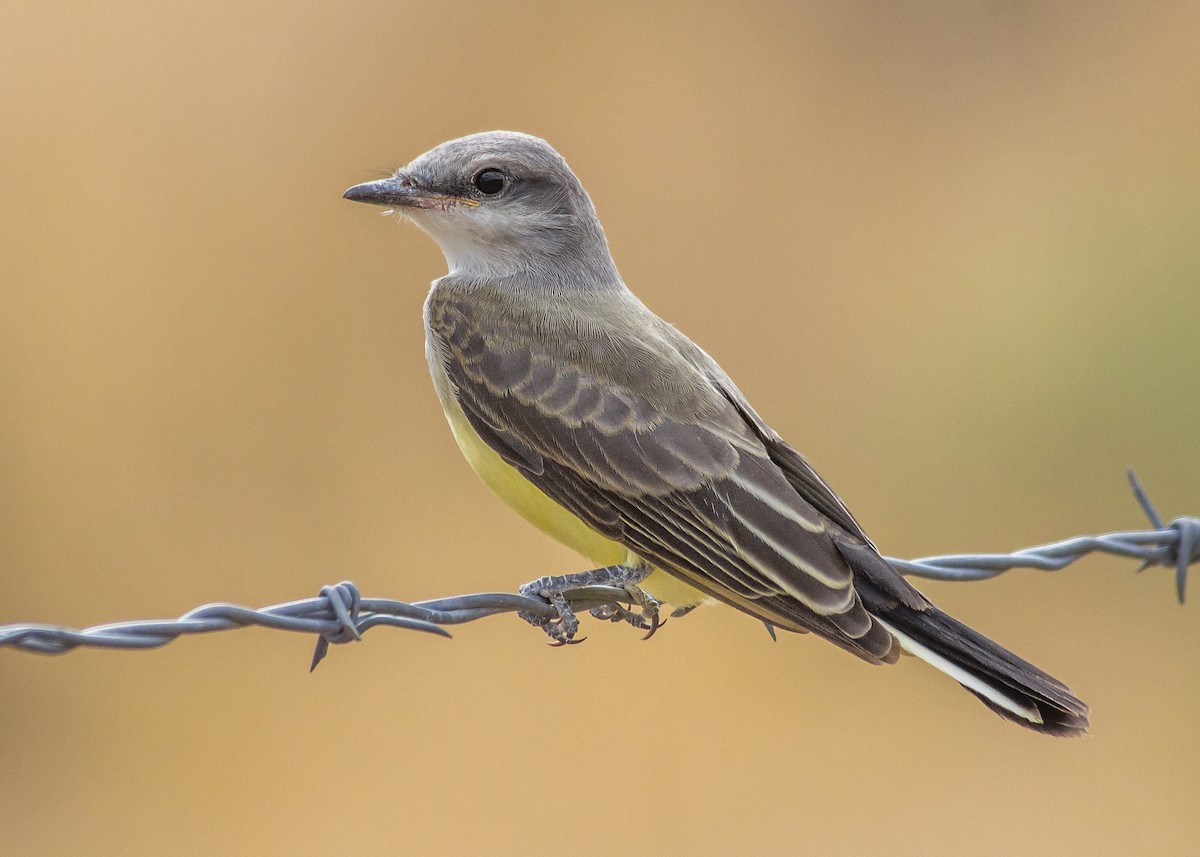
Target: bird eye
<point>489,182</point>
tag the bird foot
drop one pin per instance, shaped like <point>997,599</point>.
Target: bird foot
<point>562,628</point>
<point>645,618</point>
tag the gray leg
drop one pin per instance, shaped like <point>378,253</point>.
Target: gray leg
<point>554,589</point>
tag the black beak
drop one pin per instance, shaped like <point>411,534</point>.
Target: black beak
<point>395,191</point>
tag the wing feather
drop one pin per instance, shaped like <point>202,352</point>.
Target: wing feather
<point>664,464</point>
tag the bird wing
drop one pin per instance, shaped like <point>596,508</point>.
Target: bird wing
<point>681,480</point>
<point>878,584</point>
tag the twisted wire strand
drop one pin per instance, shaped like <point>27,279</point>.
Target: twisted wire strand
<point>341,615</point>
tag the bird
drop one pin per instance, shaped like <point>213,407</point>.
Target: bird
<point>611,431</point>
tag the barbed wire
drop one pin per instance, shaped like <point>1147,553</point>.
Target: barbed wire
<point>341,615</point>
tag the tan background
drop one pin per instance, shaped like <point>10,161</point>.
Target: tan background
<point>952,254</point>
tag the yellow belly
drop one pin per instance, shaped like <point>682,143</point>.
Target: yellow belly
<point>555,521</point>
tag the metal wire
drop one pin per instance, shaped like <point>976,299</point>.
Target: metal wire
<point>341,615</point>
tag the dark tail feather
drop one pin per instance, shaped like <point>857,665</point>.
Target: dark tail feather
<point>1013,688</point>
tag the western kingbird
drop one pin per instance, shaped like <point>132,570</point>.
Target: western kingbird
<point>611,431</point>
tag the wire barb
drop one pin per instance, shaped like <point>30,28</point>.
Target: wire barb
<point>340,614</point>
<point>1184,552</point>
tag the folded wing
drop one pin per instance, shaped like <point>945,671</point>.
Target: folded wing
<point>685,484</point>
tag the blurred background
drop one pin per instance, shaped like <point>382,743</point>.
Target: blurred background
<point>952,253</point>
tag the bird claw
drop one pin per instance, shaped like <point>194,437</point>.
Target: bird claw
<point>655,624</point>
<point>646,618</point>
<point>561,629</point>
<point>559,643</point>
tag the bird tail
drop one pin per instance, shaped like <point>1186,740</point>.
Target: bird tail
<point>1013,688</point>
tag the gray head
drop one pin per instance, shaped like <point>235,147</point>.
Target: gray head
<point>500,204</point>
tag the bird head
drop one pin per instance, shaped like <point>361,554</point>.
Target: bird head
<point>498,203</point>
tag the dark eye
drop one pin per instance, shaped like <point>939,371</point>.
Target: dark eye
<point>489,182</point>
